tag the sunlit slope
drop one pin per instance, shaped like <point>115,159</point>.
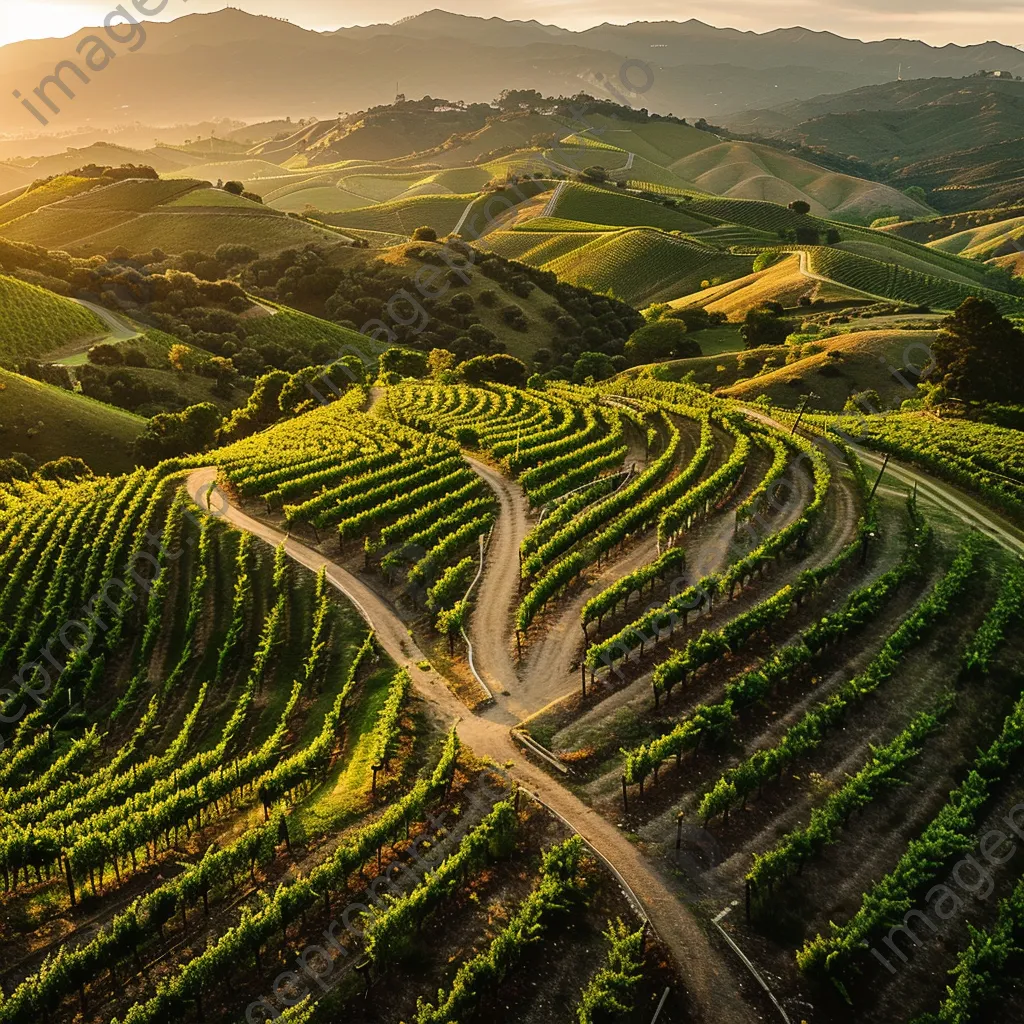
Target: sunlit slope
<point>587,203</point>
<point>173,214</point>
<point>34,321</point>
<point>839,368</point>
<point>743,170</point>
<point>782,283</point>
<point>641,266</point>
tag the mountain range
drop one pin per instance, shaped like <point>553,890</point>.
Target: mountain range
<point>232,64</point>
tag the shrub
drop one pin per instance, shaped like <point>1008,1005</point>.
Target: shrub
<point>105,354</point>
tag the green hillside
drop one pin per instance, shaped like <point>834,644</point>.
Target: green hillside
<point>62,188</point>
<point>175,215</point>
<point>744,170</point>
<point>299,332</point>
<point>1003,238</point>
<point>596,205</point>
<point>48,423</point>
<point>34,321</point>
<point>833,369</point>
<point>403,216</point>
<point>916,118</point>
<point>893,281</point>
<point>643,266</point>
<point>536,247</point>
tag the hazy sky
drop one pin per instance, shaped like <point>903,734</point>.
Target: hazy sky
<point>937,22</point>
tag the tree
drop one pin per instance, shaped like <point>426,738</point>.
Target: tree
<point>979,355</point>
<point>12,470</point>
<point>916,193</point>
<point>595,173</point>
<point>763,327</point>
<point>800,207</point>
<point>593,366</point>
<point>404,362</point>
<point>232,255</point>
<point>440,361</point>
<point>765,259</point>
<point>310,387</point>
<point>105,354</point>
<point>424,234</point>
<point>501,368</point>
<point>519,99</point>
<point>223,372</point>
<point>236,188</point>
<point>64,470</point>
<point>248,361</point>
<point>696,319</point>
<point>179,433</point>
<point>262,409</point>
<point>182,358</point>
<point>664,339</point>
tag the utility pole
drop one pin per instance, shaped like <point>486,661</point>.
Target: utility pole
<point>803,409</point>
<point>885,465</point>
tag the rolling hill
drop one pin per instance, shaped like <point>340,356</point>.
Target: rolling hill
<point>960,139</point>
<point>641,266</point>
<point>834,369</point>
<point>174,215</point>
<point>34,321</point>
<point>48,423</point>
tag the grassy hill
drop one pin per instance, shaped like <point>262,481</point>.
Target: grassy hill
<point>241,169</point>
<point>104,154</point>
<point>60,188</point>
<point>887,279</point>
<point>783,283</point>
<point>298,331</point>
<point>536,247</point>
<point>961,139</point>
<point>722,201</point>
<point>47,423</point>
<point>175,215</point>
<point>34,321</point>
<point>643,266</point>
<point>931,229</point>
<point>969,179</point>
<point>403,216</point>
<point>834,369</point>
<point>1002,238</point>
<point>606,206</point>
<point>13,177</point>
<point>743,170</point>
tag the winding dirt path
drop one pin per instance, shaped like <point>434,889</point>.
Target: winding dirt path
<point>491,627</point>
<point>713,989</point>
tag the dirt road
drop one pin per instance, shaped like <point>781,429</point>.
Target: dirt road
<point>965,507</point>
<point>490,628</point>
<point>713,988</point>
